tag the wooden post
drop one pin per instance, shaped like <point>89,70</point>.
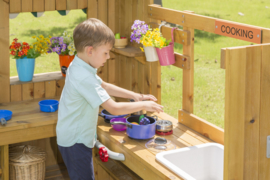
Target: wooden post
<point>4,51</point>
<point>5,162</point>
<point>188,74</point>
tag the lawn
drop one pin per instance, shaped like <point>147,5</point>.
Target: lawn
<point>209,79</point>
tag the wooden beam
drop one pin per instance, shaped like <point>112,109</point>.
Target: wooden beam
<point>15,6</point>
<point>82,4</point>
<point>92,10</point>
<point>194,21</point>
<point>61,4</point>
<point>264,163</point>
<point>27,5</point>
<point>5,162</point>
<point>38,5</point>
<point>201,126</point>
<point>188,74</point>
<point>180,36</point>
<point>235,88</point>
<point>50,5</point>
<point>182,61</point>
<point>72,4</point>
<point>4,51</point>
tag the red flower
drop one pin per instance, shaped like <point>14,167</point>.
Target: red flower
<point>15,40</point>
<point>13,53</point>
<point>24,43</point>
<point>18,44</point>
<point>20,53</point>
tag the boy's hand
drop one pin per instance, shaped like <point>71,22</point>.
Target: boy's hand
<point>152,106</point>
<point>141,97</point>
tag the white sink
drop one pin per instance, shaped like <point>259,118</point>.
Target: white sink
<point>200,162</point>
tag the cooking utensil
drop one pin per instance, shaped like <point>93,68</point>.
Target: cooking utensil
<point>139,131</point>
<point>119,127</point>
<point>164,126</point>
<point>107,116</point>
<point>160,144</point>
<point>48,105</point>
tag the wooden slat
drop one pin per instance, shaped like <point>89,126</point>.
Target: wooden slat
<point>122,18</point>
<point>112,69</point>
<point>50,89</point>
<point>234,113</point>
<point>59,86</point>
<point>50,5</point>
<point>128,19</point>
<point>92,10</point>
<point>105,72</point>
<point>128,73</point>
<point>103,11</point>
<point>15,93</point>
<point>252,112</point>
<point>5,162</point>
<point>156,80</point>
<point>71,4</point>
<point>51,151</point>
<point>82,4</point>
<point>15,6</point>
<point>223,58</point>
<point>27,91</point>
<point>134,75</point>
<point>140,10</point>
<point>61,4</point>
<point>4,51</point>
<point>181,61</point>
<point>201,126</point>
<point>95,164</point>
<point>102,174</point>
<point>194,21</point>
<point>134,10</point>
<point>264,163</point>
<point>180,36</point>
<point>128,51</point>
<point>145,9</point>
<point>28,134</point>
<point>38,5</point>
<point>27,5</point>
<point>147,78</point>
<point>188,74</point>
<point>117,70</point>
<point>38,78</point>
<point>39,90</point>
<point>112,21</point>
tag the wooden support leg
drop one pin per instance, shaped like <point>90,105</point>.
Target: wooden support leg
<point>5,162</point>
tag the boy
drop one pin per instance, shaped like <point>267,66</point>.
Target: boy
<point>82,95</point>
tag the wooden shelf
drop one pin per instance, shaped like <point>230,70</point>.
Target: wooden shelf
<point>38,78</point>
<point>129,51</point>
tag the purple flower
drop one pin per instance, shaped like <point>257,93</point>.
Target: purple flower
<point>138,40</point>
<point>63,47</point>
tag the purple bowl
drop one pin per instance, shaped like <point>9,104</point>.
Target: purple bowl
<point>119,127</point>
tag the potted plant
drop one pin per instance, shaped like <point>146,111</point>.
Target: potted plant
<point>164,49</point>
<point>144,35</point>
<point>64,47</point>
<point>25,55</point>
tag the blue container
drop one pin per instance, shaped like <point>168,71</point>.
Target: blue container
<point>6,114</point>
<point>48,105</point>
<point>25,68</point>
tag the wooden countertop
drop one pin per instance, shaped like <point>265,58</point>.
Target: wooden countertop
<point>138,158</point>
<point>29,123</point>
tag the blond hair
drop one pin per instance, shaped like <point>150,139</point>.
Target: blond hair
<point>92,32</point>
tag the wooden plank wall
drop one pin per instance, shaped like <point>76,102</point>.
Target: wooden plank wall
<point>17,6</point>
<point>246,112</point>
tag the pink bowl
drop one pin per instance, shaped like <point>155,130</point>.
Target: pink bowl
<point>119,127</point>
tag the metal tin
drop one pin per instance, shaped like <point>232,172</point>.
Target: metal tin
<point>164,125</point>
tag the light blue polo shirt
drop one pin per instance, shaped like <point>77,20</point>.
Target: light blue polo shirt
<point>79,105</point>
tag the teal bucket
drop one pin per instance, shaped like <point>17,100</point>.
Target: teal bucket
<point>25,68</point>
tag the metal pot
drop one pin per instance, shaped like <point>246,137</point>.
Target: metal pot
<point>107,116</point>
<point>139,131</point>
<point>164,126</point>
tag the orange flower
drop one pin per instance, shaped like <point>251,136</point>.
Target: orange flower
<point>24,43</point>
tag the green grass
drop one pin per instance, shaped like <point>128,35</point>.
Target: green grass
<point>209,79</point>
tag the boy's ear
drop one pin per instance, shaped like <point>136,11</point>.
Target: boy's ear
<point>89,50</point>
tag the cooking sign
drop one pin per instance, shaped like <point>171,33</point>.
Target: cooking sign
<point>246,33</point>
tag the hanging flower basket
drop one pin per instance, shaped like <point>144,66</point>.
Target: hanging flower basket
<point>166,54</point>
<point>150,53</point>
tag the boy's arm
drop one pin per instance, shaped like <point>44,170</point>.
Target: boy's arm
<point>116,91</point>
<point>119,108</point>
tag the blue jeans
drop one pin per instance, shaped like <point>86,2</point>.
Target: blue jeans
<point>79,162</point>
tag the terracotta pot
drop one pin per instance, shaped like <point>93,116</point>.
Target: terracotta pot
<point>65,60</point>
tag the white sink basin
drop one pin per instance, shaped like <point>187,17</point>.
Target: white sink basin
<point>200,162</point>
